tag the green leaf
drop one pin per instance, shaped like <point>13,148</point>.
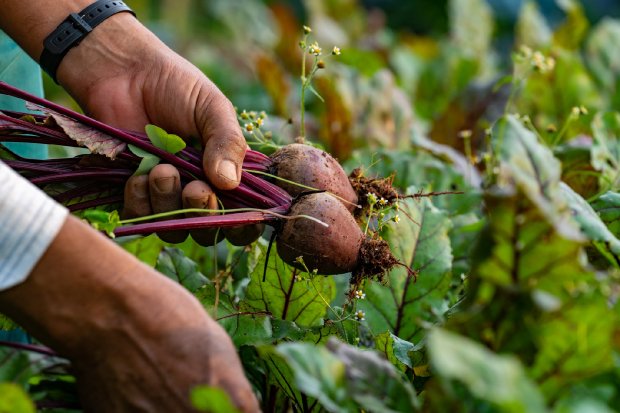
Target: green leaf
<point>146,249</point>
<point>574,343</point>
<point>244,327</point>
<point>606,147</point>
<point>103,220</point>
<point>471,26</point>
<point>396,350</point>
<point>148,162</point>
<point>607,206</point>
<point>591,224</point>
<point>404,305</point>
<point>318,373</point>
<point>341,376</point>
<point>212,400</point>
<point>501,380</point>
<point>603,57</point>
<point>572,31</point>
<point>526,162</point>
<point>302,301</point>
<point>532,27</point>
<point>176,266</point>
<point>164,140</point>
<point>14,399</point>
<point>15,367</point>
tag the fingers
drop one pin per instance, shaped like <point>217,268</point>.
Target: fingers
<point>198,194</point>
<point>244,235</point>
<point>165,195</point>
<point>137,198</point>
<point>223,140</point>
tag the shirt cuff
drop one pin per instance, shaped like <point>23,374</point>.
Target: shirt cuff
<point>29,222</point>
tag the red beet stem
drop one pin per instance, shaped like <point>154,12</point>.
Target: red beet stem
<point>126,137</point>
<point>213,221</point>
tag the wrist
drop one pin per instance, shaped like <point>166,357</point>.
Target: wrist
<point>116,47</point>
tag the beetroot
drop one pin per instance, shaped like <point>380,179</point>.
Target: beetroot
<point>314,168</point>
<point>338,248</point>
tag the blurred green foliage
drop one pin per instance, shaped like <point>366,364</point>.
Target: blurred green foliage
<point>512,305</point>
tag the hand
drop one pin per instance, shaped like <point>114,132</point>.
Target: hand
<point>124,75</point>
<point>137,341</point>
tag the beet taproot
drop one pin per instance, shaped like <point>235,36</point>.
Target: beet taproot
<point>314,168</point>
<point>339,248</point>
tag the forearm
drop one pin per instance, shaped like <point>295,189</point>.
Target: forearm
<point>83,287</point>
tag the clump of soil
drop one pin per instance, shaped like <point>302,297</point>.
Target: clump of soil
<point>374,261</point>
<point>380,187</point>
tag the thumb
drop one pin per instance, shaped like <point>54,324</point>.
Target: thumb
<point>224,144</point>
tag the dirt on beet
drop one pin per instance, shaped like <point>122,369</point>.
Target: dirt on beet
<point>380,187</point>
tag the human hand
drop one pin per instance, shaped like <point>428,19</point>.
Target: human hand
<point>123,75</point>
<point>137,340</point>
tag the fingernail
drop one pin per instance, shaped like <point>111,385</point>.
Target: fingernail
<point>165,185</point>
<point>227,170</point>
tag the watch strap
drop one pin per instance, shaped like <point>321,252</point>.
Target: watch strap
<point>74,29</point>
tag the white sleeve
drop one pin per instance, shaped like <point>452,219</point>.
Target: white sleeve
<point>29,222</point>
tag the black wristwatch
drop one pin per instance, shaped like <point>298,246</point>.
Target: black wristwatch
<point>74,29</point>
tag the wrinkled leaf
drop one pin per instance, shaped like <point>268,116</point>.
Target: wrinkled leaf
<point>163,140</point>
<point>87,136</point>
<point>533,168</point>
<point>342,376</point>
<point>404,304</point>
<point>302,301</point>
<point>501,380</point>
<point>176,266</point>
<point>244,327</point>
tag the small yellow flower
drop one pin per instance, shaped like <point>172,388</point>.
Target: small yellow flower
<point>360,295</point>
<point>320,64</point>
<point>551,128</point>
<point>575,112</point>
<point>249,127</point>
<point>262,114</point>
<point>259,122</point>
<point>307,29</point>
<point>244,115</point>
<point>315,49</point>
<point>336,51</point>
<point>396,219</point>
<point>583,110</point>
<point>465,134</point>
<point>360,315</point>
<point>383,201</point>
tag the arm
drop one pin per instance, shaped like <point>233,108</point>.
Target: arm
<point>137,341</point>
<point>124,75</point>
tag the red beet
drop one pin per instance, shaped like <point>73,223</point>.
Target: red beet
<point>338,248</point>
<point>314,168</point>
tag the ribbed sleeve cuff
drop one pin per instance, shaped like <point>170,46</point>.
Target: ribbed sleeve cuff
<point>29,222</point>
